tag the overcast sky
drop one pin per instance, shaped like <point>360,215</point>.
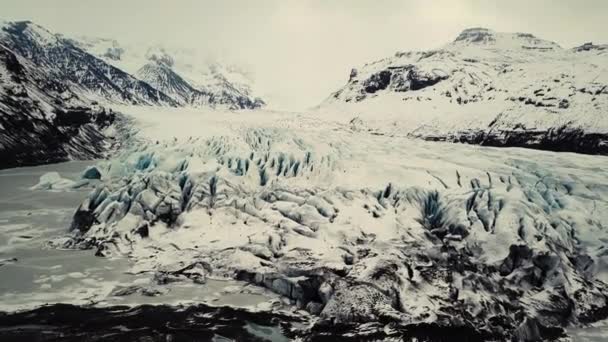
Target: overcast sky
<point>300,51</point>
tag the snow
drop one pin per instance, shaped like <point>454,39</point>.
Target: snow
<point>281,196</point>
<point>188,77</point>
<point>32,30</point>
<point>54,181</point>
<point>484,81</point>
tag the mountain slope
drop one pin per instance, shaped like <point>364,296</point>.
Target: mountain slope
<point>182,74</point>
<point>83,72</point>
<point>160,76</point>
<point>487,88</point>
<point>42,120</point>
<point>51,90</point>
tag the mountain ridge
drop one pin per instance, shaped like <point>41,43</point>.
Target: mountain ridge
<point>54,95</point>
<point>63,60</point>
<point>190,80</point>
<point>485,88</point>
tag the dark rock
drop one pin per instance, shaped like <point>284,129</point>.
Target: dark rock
<point>517,256</point>
<point>143,230</point>
<point>419,79</point>
<point>349,259</point>
<point>83,219</point>
<point>376,82</point>
<point>563,139</point>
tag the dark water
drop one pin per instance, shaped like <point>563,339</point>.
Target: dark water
<point>63,322</point>
<point>156,323</point>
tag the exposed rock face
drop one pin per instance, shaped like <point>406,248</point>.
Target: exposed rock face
<point>400,79</point>
<point>590,47</point>
<point>486,87</point>
<point>379,81</point>
<point>476,35</point>
<point>42,121</point>
<point>160,75</point>
<point>562,139</point>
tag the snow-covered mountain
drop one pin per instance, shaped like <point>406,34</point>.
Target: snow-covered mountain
<point>42,117</point>
<point>486,87</point>
<point>101,70</point>
<point>182,74</point>
<point>52,92</point>
<point>82,72</point>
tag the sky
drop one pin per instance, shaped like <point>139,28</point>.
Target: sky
<point>301,51</point>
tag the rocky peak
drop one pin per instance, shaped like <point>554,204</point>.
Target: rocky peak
<point>30,31</point>
<point>590,47</point>
<point>483,37</point>
<point>478,35</point>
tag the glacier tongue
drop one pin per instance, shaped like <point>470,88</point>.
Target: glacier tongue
<point>358,227</point>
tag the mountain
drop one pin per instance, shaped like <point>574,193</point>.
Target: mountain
<point>102,70</point>
<point>50,92</point>
<point>53,93</point>
<point>42,120</point>
<point>189,79</point>
<point>162,77</point>
<point>81,71</point>
<point>486,87</point>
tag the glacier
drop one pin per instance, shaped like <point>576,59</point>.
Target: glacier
<point>355,227</point>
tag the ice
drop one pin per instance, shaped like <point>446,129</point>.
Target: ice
<point>354,226</point>
<point>91,172</point>
<point>54,181</point>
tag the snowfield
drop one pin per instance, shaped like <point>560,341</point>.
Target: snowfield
<point>357,226</point>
